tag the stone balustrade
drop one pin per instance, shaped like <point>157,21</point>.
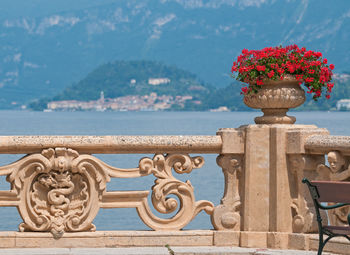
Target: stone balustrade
<point>337,150</point>
<point>59,187</point>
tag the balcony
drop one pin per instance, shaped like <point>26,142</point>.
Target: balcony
<point>61,184</point>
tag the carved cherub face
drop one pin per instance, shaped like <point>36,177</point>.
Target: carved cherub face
<point>336,161</point>
<point>61,164</point>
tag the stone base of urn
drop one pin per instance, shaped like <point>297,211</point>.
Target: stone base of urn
<point>275,98</point>
<point>275,116</point>
<point>114,239</point>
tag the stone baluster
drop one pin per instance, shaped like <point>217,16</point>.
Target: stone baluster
<point>227,216</point>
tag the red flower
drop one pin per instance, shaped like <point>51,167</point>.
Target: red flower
<point>309,79</point>
<point>325,61</point>
<point>318,55</point>
<point>270,74</point>
<point>280,70</point>
<point>298,77</point>
<point>331,66</point>
<point>291,69</point>
<point>259,82</point>
<point>328,96</point>
<point>244,90</point>
<point>311,71</point>
<point>245,51</point>
<point>330,85</point>
<point>261,68</point>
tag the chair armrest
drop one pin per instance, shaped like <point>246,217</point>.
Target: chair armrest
<point>329,207</point>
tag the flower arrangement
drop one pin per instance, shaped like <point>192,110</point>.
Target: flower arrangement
<point>275,63</point>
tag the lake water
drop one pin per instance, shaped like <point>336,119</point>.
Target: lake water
<point>207,181</point>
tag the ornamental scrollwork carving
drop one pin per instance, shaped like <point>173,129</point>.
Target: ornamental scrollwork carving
<point>166,184</point>
<point>60,191</point>
<point>338,170</point>
<point>227,216</point>
<point>303,211</point>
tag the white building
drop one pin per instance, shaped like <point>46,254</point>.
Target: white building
<point>343,104</point>
<point>158,81</point>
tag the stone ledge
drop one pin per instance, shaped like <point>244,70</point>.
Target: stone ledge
<point>190,238</point>
<point>101,239</point>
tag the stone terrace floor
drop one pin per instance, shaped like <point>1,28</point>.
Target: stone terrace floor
<point>155,251</point>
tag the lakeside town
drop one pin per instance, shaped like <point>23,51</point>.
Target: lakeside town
<point>148,102</point>
<point>151,102</point>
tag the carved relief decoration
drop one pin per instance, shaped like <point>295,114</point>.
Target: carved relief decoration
<point>338,170</point>
<point>60,191</point>
<point>166,184</point>
<point>227,216</point>
<point>303,211</point>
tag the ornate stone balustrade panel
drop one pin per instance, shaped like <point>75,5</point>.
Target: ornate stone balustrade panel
<point>322,144</point>
<point>59,187</point>
<point>337,151</point>
<point>303,212</point>
<point>60,190</point>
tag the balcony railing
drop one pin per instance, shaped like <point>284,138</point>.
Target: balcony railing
<point>59,186</point>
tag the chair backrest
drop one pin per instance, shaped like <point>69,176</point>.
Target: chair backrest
<point>331,191</point>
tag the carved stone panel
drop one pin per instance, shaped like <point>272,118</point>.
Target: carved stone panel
<point>60,191</point>
<point>338,170</point>
<point>303,211</point>
<point>165,185</point>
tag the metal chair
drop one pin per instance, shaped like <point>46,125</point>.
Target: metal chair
<point>331,192</point>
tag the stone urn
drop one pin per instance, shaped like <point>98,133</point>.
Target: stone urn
<point>274,99</point>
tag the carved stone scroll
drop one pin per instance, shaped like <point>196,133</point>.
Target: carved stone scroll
<point>166,184</point>
<point>60,191</point>
<point>226,216</point>
<point>303,211</point>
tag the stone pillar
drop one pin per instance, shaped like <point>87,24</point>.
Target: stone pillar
<point>255,209</point>
<point>264,198</point>
<point>271,191</point>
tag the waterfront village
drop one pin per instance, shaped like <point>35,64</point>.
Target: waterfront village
<point>150,102</point>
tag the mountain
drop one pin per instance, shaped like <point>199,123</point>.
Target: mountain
<point>48,45</point>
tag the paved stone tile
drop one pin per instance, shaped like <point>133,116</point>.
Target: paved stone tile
<point>154,251</point>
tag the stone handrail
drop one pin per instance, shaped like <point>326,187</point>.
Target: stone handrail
<point>322,144</point>
<point>112,144</point>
